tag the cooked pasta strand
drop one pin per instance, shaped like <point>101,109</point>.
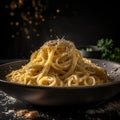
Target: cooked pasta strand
<point>59,63</point>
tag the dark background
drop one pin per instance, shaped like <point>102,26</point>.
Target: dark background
<point>81,22</point>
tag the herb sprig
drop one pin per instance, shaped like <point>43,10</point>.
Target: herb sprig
<point>108,50</point>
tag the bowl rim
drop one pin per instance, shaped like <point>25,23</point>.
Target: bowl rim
<point>94,47</point>
<point>112,83</point>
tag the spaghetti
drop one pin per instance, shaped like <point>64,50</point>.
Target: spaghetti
<point>58,63</point>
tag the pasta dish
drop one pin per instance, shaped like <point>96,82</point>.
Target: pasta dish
<point>58,63</point>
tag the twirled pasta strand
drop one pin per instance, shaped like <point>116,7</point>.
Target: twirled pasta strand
<point>58,63</point>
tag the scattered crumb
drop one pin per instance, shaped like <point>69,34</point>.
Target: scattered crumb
<point>27,114</point>
<point>21,112</point>
<point>32,115</point>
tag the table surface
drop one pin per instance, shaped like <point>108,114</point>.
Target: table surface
<point>107,110</point>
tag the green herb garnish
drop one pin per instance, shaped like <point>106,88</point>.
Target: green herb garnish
<point>108,50</point>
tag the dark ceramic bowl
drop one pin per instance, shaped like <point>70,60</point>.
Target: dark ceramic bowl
<point>90,51</point>
<point>50,96</point>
